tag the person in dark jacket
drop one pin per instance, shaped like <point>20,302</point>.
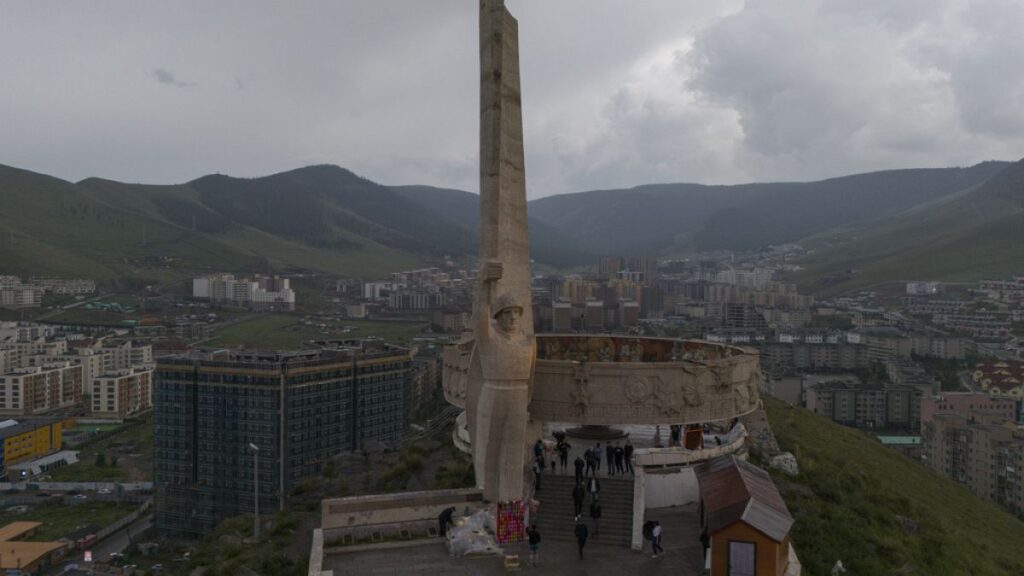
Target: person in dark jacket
<point>595,515</point>
<point>610,458</point>
<point>581,536</point>
<point>444,520</point>
<point>534,540</point>
<point>563,455</point>
<point>578,494</point>
<point>620,455</point>
<point>594,487</point>
<point>578,463</point>
<point>627,452</point>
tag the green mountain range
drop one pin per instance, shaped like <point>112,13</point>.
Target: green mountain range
<point>327,218</point>
<point>961,237</point>
<point>666,217</point>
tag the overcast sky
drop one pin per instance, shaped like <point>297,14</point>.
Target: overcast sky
<point>615,93</point>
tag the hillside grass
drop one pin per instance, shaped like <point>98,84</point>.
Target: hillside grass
<point>882,513</point>
<point>286,331</point>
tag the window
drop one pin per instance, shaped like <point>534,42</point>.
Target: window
<point>742,558</point>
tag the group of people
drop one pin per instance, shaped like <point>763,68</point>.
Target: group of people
<point>619,460</point>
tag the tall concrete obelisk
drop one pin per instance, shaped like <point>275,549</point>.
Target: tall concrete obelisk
<point>498,390</point>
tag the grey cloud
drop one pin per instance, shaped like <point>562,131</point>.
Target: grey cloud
<point>613,94</point>
<point>165,76</point>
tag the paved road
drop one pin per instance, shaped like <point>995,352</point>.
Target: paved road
<point>116,542</point>
<point>120,540</point>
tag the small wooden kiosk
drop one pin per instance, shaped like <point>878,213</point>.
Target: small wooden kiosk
<point>744,521</point>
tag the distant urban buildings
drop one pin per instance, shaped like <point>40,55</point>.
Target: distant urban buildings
<point>42,371</point>
<point>422,289</point>
<point>15,294</point>
<point>261,293</point>
<point>871,405</point>
<point>297,408</point>
<point>923,288</point>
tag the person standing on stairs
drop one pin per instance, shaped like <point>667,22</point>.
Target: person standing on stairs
<point>581,536</point>
<point>594,487</point>
<point>578,494</point>
<point>610,458</point>
<point>563,454</point>
<point>620,455</point>
<point>595,515</point>
<point>578,463</point>
<point>627,453</point>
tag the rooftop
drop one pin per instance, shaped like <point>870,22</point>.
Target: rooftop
<point>16,554</point>
<point>733,490</point>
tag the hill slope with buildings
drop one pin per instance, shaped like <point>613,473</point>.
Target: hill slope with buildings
<point>881,512</point>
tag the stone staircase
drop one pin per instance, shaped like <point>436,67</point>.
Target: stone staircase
<point>554,518</point>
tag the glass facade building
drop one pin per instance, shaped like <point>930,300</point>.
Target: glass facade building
<point>299,408</point>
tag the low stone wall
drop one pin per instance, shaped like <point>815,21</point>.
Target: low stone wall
<point>110,529</point>
<point>316,555</point>
<point>667,460</point>
<point>79,486</point>
<point>387,516</point>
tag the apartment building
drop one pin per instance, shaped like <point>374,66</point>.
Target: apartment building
<point>260,293</point>
<point>41,389</point>
<point>986,457</point>
<point>122,393</point>
<point>873,406</point>
<point>298,408</point>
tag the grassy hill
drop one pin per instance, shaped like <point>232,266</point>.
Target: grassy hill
<point>327,218</point>
<point>655,218</point>
<point>969,236</point>
<point>315,218</point>
<point>882,513</point>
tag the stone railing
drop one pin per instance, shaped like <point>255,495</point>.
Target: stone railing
<point>679,456</point>
<point>316,555</point>
<point>605,380</point>
<point>377,517</point>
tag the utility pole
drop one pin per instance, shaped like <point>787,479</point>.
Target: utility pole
<point>256,491</point>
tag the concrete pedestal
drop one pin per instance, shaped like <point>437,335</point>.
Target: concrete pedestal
<point>596,433</point>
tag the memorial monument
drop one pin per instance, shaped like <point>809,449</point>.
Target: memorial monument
<point>507,386</point>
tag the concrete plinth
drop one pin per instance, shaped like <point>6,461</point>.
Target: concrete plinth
<point>596,433</point>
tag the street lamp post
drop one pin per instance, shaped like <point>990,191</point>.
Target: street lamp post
<point>256,491</point>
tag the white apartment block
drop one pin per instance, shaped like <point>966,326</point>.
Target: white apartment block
<point>40,389</point>
<point>68,286</point>
<point>122,393</point>
<point>21,296</point>
<point>261,293</point>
